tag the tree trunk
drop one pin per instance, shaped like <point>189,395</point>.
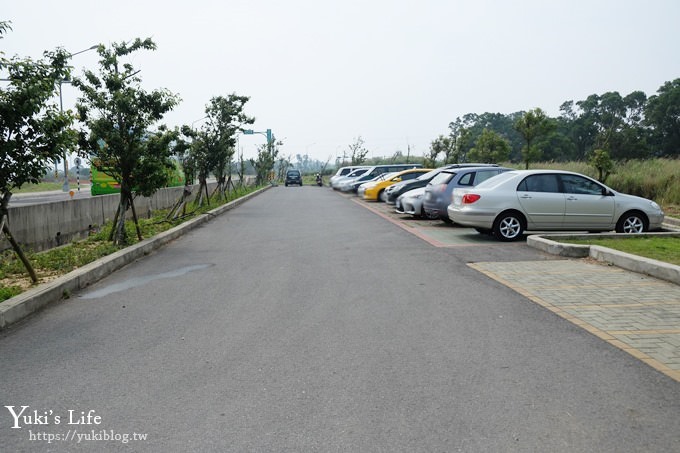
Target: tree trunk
<point>202,188</point>
<point>4,203</point>
<point>120,236</point>
<point>134,217</point>
<point>181,203</point>
<point>113,225</point>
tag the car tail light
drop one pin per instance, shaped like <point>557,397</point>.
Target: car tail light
<point>470,198</point>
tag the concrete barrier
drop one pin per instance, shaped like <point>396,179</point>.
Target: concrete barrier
<point>44,226</point>
<point>550,243</point>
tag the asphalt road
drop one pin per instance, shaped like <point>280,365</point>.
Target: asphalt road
<point>301,321</point>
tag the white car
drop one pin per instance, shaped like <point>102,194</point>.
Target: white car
<point>344,180</point>
<point>411,202</point>
<point>513,202</point>
<point>342,172</point>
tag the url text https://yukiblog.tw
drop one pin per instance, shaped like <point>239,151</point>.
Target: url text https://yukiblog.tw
<point>73,435</point>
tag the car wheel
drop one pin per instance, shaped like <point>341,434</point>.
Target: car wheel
<point>286,184</point>
<point>509,226</point>
<point>382,197</point>
<point>431,215</point>
<point>632,222</point>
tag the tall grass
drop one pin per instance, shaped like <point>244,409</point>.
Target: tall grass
<point>656,179</point>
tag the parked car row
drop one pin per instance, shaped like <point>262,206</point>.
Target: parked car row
<point>504,202</point>
<point>361,175</point>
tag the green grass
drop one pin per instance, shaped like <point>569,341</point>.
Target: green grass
<point>62,260</point>
<point>666,249</point>
<point>40,187</point>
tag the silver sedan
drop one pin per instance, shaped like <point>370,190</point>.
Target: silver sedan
<point>411,202</point>
<point>513,202</point>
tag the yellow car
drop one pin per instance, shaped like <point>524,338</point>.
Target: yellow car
<point>375,190</point>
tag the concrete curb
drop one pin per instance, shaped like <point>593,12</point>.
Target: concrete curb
<point>633,263</point>
<point>23,305</point>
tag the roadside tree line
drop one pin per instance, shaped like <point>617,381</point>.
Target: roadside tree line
<point>599,129</point>
<point>116,125</point>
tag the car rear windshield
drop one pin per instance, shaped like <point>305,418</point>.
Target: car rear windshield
<point>427,176</point>
<point>498,179</point>
<point>359,172</point>
<point>442,178</point>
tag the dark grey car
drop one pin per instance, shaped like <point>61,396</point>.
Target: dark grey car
<point>438,191</point>
<point>293,177</point>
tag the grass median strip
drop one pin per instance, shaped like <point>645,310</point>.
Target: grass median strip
<point>666,249</point>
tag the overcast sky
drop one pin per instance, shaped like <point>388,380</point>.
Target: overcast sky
<point>320,73</point>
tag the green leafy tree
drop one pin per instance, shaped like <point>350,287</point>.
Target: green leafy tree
<point>180,147</point>
<point>264,165</point>
<point>118,115</point>
<point>467,130</point>
<point>556,146</point>
<point>490,148</point>
<point>441,145</point>
<point>602,161</point>
<point>225,118</point>
<point>282,167</point>
<point>202,159</point>
<point>580,129</point>
<point>617,124</point>
<point>33,130</point>
<point>533,125</point>
<point>662,116</point>
<point>452,152</point>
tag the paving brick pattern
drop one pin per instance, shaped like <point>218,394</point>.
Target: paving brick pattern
<point>636,313</point>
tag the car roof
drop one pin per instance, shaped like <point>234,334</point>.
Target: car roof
<point>477,167</point>
<point>413,170</point>
<point>547,171</point>
<point>469,164</point>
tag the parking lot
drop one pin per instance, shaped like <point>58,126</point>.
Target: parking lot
<point>633,312</point>
<point>436,232</point>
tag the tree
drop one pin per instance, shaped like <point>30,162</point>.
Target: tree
<point>119,115</point>
<point>358,152</point>
<point>33,130</point>
<point>601,160</point>
<point>490,148</point>
<point>580,129</point>
<point>225,118</point>
<point>264,165</point>
<point>282,166</point>
<point>180,147</point>
<point>662,116</point>
<point>201,159</point>
<point>441,145</point>
<point>533,125</point>
<point>467,130</point>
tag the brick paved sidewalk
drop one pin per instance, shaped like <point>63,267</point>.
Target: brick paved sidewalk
<point>636,313</point>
